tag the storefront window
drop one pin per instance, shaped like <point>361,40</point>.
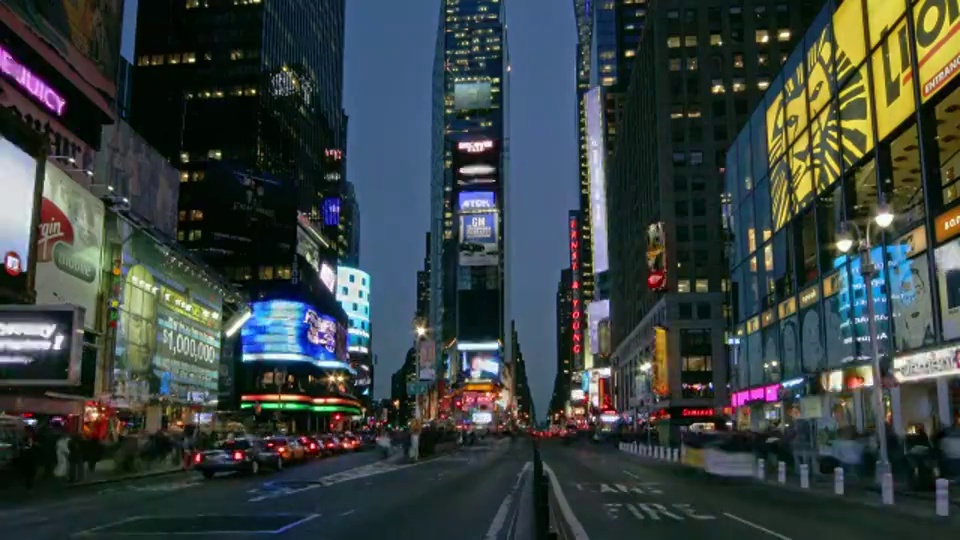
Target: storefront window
<point>811,337</point>
<point>761,204</point>
<point>903,189</point>
<point>807,247</point>
<point>860,190</point>
<point>948,135</point>
<point>756,358</point>
<point>948,278</point>
<point>910,298</point>
<point>783,258</point>
<point>772,361</point>
<point>838,334</point>
<point>790,344</point>
<point>829,216</point>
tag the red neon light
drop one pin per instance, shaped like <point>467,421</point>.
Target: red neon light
<point>697,412</point>
<point>273,398</point>
<point>576,312</point>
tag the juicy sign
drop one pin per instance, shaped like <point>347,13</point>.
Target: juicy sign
<point>576,312</point>
<point>34,85</point>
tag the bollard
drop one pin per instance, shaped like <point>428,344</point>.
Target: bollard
<point>782,472</point>
<point>886,488</point>
<point>943,497</point>
<point>838,481</point>
<point>676,455</point>
<point>761,469</point>
<point>804,476</point>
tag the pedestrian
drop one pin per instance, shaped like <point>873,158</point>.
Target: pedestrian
<point>27,459</point>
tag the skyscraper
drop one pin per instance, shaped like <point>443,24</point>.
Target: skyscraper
<point>470,152</point>
<point>562,380</point>
<point>669,276</point>
<point>244,86</point>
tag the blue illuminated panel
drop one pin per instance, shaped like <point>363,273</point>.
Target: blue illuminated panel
<point>282,330</point>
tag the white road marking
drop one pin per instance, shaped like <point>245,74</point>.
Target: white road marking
<point>757,527</point>
<point>364,471</point>
<point>579,533</point>
<point>348,512</point>
<point>500,518</point>
<point>94,530</point>
<point>297,523</point>
<point>631,475</point>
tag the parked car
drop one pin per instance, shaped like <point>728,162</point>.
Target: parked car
<point>350,443</point>
<point>331,445</point>
<point>289,448</point>
<point>311,446</point>
<point>246,455</point>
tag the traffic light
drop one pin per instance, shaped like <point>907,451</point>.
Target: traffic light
<point>113,313</point>
<point>336,417</point>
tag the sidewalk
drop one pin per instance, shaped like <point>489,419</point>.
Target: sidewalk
<point>13,489</point>
<point>856,491</point>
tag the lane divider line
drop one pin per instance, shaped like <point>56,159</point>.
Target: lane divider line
<point>579,533</point>
<point>500,518</point>
<point>760,528</point>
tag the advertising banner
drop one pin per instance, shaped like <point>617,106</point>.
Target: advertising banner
<point>476,201</point>
<point>476,163</point>
<point>282,330</point>
<point>427,359</point>
<point>138,172</point>
<point>661,381</point>
<point>170,322</point>
<point>481,366</point>
<point>469,96</point>
<point>16,207</point>
<point>478,239</point>
<point>40,345</point>
<point>593,102</point>
<point>69,245</point>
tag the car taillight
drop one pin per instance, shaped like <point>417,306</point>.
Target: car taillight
<point>313,446</point>
<point>198,458</point>
<point>269,445</point>
<point>238,456</point>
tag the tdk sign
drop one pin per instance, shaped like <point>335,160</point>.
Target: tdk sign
<point>477,200</point>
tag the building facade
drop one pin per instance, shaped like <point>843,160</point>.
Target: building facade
<point>468,191</point>
<point>668,280</point>
<point>353,293</point>
<point>867,119</point>
<point>563,378</point>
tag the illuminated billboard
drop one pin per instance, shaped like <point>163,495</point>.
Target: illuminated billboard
<point>850,78</point>
<point>597,155</point>
<point>469,96</point>
<point>476,164</point>
<point>661,380</point>
<point>480,365</point>
<point>476,201</point>
<point>16,208</point>
<point>353,293</point>
<point>283,330</point>
<point>478,239</point>
<point>597,312</point>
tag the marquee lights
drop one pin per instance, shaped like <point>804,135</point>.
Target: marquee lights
<point>30,82</point>
<point>576,311</point>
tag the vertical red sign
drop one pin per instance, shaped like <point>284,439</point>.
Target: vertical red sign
<point>576,309</point>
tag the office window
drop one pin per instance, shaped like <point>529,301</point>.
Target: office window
<point>696,158</point>
<point>716,87</point>
<point>763,37</point>
<point>182,215</point>
<point>691,64</point>
<point>684,310</point>
<point>196,215</point>
<point>693,111</point>
<point>676,111</point>
<point>739,85</point>
<point>679,158</point>
<point>214,154</point>
<point>702,285</point>
<point>690,41</point>
<point>673,42</point>
<point>194,235</point>
<point>763,83</point>
<point>703,310</point>
<point>265,273</point>
<point>783,35</point>
<point>683,285</point>
<point>675,64</point>
<point>716,40</point>
<point>738,60</point>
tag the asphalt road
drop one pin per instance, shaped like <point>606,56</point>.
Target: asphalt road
<point>477,492</point>
<point>613,496</point>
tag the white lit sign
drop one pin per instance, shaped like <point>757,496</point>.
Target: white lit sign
<point>475,147</point>
<point>577,395</point>
<point>21,337</point>
<point>477,170</point>
<point>328,276</point>
<point>482,417</point>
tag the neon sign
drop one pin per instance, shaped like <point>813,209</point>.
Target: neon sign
<point>576,311</point>
<point>475,147</point>
<point>763,394</point>
<point>697,412</point>
<point>33,84</point>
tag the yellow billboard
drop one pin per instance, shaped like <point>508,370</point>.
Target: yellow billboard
<point>938,43</point>
<point>892,81</point>
<point>820,83</point>
<point>848,33</point>
<point>882,15</point>
<point>661,381</point>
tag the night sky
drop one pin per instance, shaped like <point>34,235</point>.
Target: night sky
<point>389,55</point>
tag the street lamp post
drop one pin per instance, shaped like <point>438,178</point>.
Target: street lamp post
<point>849,235</point>
<point>421,333</point>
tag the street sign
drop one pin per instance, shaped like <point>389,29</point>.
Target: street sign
<point>416,388</point>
